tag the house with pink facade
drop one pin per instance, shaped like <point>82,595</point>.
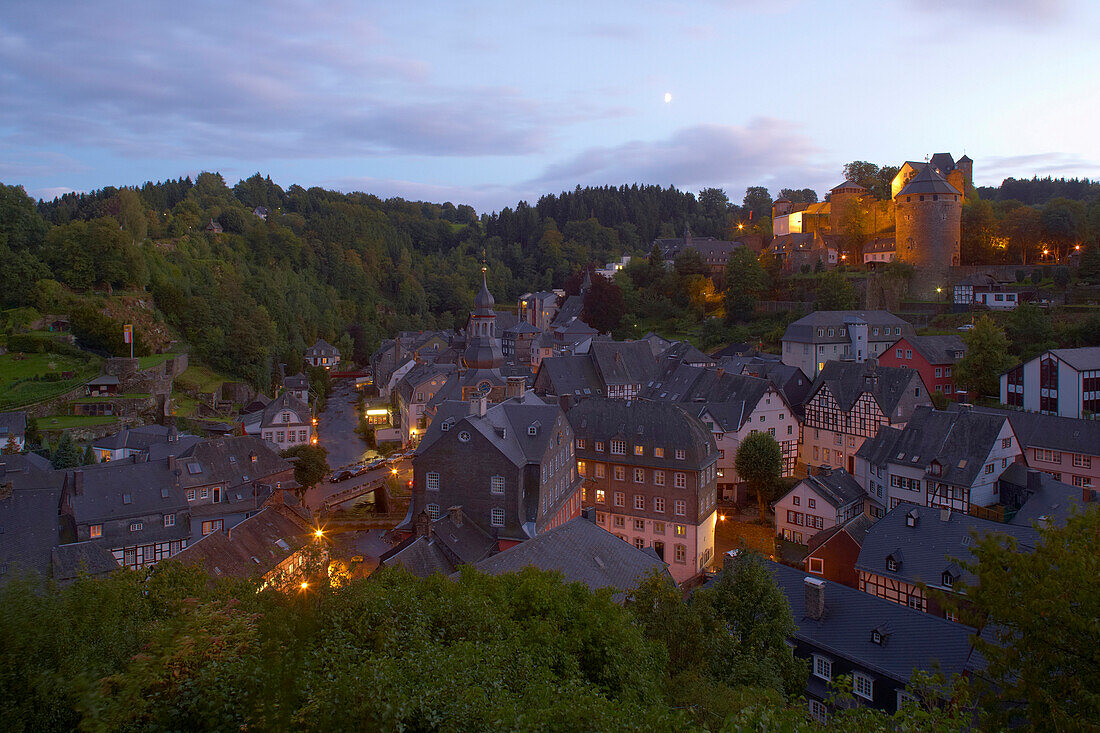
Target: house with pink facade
<point>825,499</point>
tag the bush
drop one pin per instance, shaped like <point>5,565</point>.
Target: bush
<point>1020,276</point>
<point>1036,277</point>
<point>27,344</point>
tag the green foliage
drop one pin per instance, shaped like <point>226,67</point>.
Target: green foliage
<point>604,306</point>
<point>311,464</point>
<point>67,454</point>
<point>759,463</point>
<point>987,356</point>
<point>835,293</point>
<point>746,282</point>
<point>1030,331</point>
<point>1040,645</point>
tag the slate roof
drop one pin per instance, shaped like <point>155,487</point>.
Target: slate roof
<point>646,422</point>
<point>847,381</point>
<point>804,330</point>
<point>12,423</point>
<point>943,162</point>
<point>570,309</point>
<point>285,401</point>
<point>252,548</point>
<point>879,449</point>
<point>1034,429</point>
<point>683,352</point>
<point>139,438</point>
<point>104,380</point>
<point>856,528</point>
<point>420,374</point>
<point>1038,496</point>
<point>960,440</point>
<point>928,180</point>
<point>522,327</point>
<point>938,541</point>
<point>1086,358</point>
<point>834,485</point>
<point>89,557</point>
<point>322,348</point>
<point>297,382</point>
<point>789,380</point>
<point>583,552</point>
<point>734,349</point>
<point>914,640</point>
<point>939,349</point>
<point>450,545</point>
<point>99,496</point>
<point>30,501</point>
<point>570,375</point>
<point>229,461</point>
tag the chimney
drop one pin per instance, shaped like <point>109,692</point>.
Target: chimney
<point>455,513</point>
<point>515,386</point>
<point>589,513</point>
<point>78,483</point>
<point>1034,481</point>
<point>482,404</point>
<point>423,526</point>
<point>945,514</point>
<point>815,598</point>
<point>171,463</point>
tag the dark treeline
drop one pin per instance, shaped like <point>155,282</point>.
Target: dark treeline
<point>1041,190</point>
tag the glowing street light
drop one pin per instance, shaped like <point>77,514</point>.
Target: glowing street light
<point>318,533</point>
<point>304,585</point>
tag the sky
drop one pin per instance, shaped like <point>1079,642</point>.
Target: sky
<point>488,103</point>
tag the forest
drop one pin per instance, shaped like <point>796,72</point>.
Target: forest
<point>245,291</point>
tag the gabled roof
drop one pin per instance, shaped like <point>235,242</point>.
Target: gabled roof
<point>848,185</point>
<point>848,381</point>
<point>804,330</point>
<point>421,374</point>
<point>928,180</point>
<point>958,440</point>
<point>646,422</point>
<point>450,544</point>
<point>683,352</point>
<point>834,485</point>
<point>322,348</point>
<point>1082,359</point>
<point>89,557</point>
<point>30,501</point>
<point>1035,429</point>
<point>13,423</point>
<point>297,382</point>
<point>252,548</point>
<point>913,639</point>
<point>285,401</point>
<point>234,462</point>
<point>140,438</point>
<point>582,552</point>
<point>571,308</point>
<point>569,375</point>
<point>938,539</point>
<point>943,162</point>
<point>1040,497</point>
<point>104,380</point>
<point>522,327</point>
<point>856,528</point>
<point>938,349</point>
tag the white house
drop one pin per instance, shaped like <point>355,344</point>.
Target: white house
<point>1062,382</point>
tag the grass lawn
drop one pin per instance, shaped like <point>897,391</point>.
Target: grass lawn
<point>17,386</point>
<point>65,422</point>
<point>182,405</point>
<point>146,362</point>
<point>201,379</point>
<point>112,398</point>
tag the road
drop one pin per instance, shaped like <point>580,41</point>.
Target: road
<point>336,428</point>
<point>316,496</point>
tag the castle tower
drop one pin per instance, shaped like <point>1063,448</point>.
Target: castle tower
<point>966,166</point>
<point>928,224</point>
<point>840,198</point>
<point>781,207</point>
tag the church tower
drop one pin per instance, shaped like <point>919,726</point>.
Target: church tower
<point>482,346</point>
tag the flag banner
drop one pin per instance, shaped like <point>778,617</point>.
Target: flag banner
<point>128,333</point>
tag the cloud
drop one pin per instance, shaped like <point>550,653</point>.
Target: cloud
<point>205,79</point>
<point>996,168</point>
<point>1026,13</point>
<point>482,197</point>
<point>731,156</point>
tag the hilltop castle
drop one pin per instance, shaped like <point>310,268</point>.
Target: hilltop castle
<point>919,224</point>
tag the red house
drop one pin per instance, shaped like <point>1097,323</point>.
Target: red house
<point>833,553</point>
<point>934,357</point>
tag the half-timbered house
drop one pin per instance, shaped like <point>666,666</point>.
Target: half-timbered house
<point>848,404</point>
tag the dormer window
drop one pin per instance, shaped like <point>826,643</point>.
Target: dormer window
<point>876,637</point>
<point>891,564</point>
<point>935,469</point>
<point>948,579</point>
<point>911,518</point>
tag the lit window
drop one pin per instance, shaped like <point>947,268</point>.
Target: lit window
<point>601,496</point>
<point>581,467</point>
<point>639,450</point>
<point>681,530</point>
<point>96,530</point>
<point>658,452</point>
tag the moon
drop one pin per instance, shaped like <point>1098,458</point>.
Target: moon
<point>668,97</point>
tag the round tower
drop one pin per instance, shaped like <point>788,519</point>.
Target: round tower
<point>928,224</point>
<point>840,198</point>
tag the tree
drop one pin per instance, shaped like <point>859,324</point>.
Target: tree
<point>987,356</point>
<point>835,293</point>
<point>1030,331</point>
<point>12,446</point>
<point>861,172</point>
<point>1040,638</point>
<point>311,464</point>
<point>714,202</point>
<point>603,304</point>
<point>758,202</point>
<point>89,457</point>
<point>1090,264</point>
<point>746,282</point>
<point>759,463</point>
<point>1022,228</point>
<point>856,228</point>
<point>67,454</point>
<point>979,228</point>
<point>799,196</point>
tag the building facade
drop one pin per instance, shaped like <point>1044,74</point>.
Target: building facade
<point>650,472</point>
<point>824,336</point>
<point>934,357</point>
<point>1062,382</point>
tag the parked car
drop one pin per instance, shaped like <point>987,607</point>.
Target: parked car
<point>966,327</point>
<point>340,476</point>
<point>360,469</point>
<point>395,459</point>
<point>375,463</point>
